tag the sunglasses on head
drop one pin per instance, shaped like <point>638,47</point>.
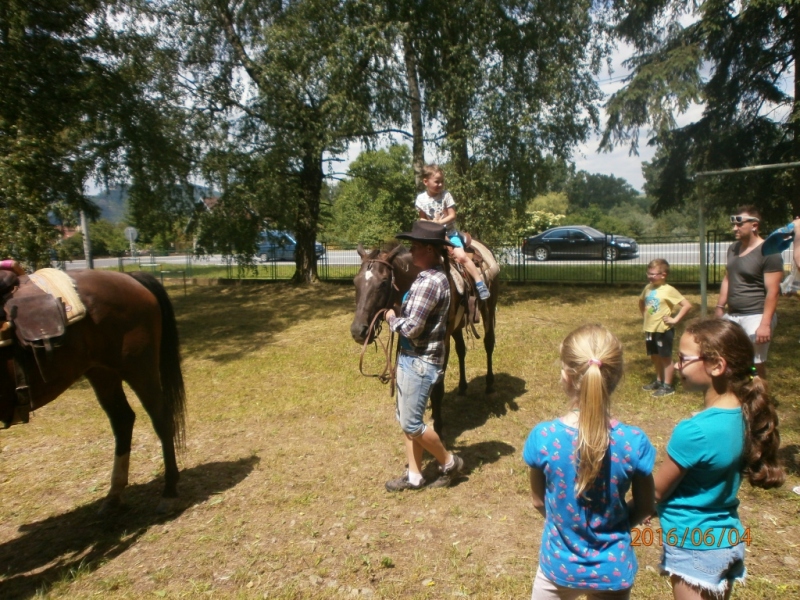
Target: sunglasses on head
<point>739,219</point>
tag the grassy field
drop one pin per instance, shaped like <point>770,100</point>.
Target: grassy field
<point>288,448</point>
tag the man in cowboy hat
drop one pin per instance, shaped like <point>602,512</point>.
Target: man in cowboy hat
<point>422,326</point>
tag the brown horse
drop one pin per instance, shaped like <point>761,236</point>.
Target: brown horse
<point>129,334</point>
<point>381,282</point>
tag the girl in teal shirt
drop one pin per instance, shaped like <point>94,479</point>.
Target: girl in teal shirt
<point>735,434</point>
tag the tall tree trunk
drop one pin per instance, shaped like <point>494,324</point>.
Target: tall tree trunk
<point>418,144</point>
<point>795,117</point>
<point>311,178</point>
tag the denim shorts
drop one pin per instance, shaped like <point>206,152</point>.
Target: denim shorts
<point>714,569</point>
<point>415,380</point>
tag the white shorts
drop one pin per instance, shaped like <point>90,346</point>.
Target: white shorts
<point>750,323</point>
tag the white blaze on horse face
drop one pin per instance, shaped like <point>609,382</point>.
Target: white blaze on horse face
<point>368,275</point>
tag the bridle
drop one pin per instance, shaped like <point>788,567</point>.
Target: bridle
<point>374,330</point>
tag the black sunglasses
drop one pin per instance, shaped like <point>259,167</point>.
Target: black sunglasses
<point>739,219</point>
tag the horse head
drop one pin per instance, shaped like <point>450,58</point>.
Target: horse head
<point>382,276</point>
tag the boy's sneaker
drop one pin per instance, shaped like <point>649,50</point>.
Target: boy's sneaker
<point>652,386</point>
<point>451,474</point>
<point>483,291</point>
<point>664,390</point>
<point>402,483</point>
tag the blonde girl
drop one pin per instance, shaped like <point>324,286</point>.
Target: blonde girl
<point>581,468</point>
<point>735,435</point>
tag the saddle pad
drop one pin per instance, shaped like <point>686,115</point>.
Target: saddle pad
<point>60,285</point>
<point>458,278</point>
<point>490,266</point>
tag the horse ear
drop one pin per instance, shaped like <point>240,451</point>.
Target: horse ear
<point>360,250</point>
<point>393,253</point>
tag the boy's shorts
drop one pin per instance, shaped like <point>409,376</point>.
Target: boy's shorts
<point>659,344</point>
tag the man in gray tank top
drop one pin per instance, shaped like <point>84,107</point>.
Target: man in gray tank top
<point>751,285</point>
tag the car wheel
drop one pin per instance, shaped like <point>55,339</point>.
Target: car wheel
<point>611,253</point>
<point>541,253</point>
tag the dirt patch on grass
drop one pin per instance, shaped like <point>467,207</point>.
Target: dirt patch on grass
<point>288,448</point>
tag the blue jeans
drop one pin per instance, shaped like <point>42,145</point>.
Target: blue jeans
<point>415,380</point>
<point>714,569</point>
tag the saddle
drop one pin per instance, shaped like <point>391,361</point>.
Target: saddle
<point>33,313</point>
<point>486,264</point>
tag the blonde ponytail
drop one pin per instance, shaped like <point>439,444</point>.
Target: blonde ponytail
<point>592,360</point>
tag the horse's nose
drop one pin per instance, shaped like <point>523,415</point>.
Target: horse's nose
<point>359,332</point>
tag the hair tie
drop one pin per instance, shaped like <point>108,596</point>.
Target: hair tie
<point>595,361</point>
<point>753,372</point>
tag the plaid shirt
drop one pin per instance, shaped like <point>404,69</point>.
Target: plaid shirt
<point>423,323</point>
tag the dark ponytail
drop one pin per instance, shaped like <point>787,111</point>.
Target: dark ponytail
<point>720,338</point>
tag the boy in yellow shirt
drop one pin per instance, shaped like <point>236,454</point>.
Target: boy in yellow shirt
<point>656,303</point>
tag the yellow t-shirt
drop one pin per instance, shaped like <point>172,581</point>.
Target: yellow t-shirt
<point>659,302</point>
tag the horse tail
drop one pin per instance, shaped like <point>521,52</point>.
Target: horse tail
<point>173,392</point>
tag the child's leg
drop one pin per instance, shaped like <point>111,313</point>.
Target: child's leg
<point>544,589</point>
<point>468,265</point>
<point>683,591</point>
<point>659,367</point>
<point>667,368</point>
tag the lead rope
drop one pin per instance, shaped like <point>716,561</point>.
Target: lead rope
<point>388,374</point>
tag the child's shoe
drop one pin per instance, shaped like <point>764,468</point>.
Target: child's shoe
<point>652,386</point>
<point>483,291</point>
<point>664,390</point>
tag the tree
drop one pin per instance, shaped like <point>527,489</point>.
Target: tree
<point>732,58</point>
<point>595,189</point>
<point>85,94</point>
<point>376,201</point>
<point>276,87</point>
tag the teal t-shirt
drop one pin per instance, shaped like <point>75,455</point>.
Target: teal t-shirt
<point>710,446</point>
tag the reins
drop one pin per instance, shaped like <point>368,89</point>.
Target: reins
<point>388,375</point>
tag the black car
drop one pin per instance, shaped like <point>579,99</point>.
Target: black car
<point>578,241</point>
<point>279,246</point>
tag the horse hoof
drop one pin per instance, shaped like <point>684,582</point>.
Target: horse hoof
<point>489,390</point>
<point>110,505</point>
<point>462,391</point>
<point>167,506</point>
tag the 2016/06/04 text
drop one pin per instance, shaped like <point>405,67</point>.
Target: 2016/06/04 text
<point>647,536</point>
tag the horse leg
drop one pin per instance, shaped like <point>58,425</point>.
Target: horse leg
<point>461,351</point>
<point>147,385</point>
<point>437,394</point>
<point>488,315</point>
<point>107,387</point>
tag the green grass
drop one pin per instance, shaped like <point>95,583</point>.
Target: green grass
<point>288,448</point>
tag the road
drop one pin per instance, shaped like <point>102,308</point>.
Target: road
<point>675,253</point>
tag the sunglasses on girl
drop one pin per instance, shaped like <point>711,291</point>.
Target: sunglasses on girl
<point>739,219</point>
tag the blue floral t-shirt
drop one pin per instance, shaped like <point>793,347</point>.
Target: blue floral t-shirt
<point>586,542</point>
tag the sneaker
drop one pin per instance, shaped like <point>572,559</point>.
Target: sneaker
<point>652,386</point>
<point>483,291</point>
<point>664,390</point>
<point>402,483</point>
<point>451,474</point>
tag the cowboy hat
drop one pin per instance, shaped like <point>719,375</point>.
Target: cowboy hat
<point>426,232</point>
<point>779,240</point>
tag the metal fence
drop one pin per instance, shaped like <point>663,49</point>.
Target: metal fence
<point>342,263</point>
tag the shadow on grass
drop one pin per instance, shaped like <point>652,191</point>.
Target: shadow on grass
<point>789,456</point>
<point>62,547</point>
<point>226,323</point>
<point>474,455</point>
<point>463,413</point>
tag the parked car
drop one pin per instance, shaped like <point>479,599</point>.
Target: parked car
<point>280,246</point>
<point>578,241</point>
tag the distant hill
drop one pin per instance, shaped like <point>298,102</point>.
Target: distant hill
<point>114,202</point>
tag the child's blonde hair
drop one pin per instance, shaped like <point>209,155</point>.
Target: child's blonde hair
<point>591,357</point>
<point>659,263</point>
<point>430,170</point>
